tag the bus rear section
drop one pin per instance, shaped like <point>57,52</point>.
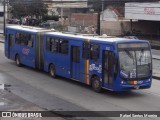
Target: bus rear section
<point>20,46</point>
<point>25,46</point>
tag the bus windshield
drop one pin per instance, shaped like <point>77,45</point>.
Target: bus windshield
<point>135,62</point>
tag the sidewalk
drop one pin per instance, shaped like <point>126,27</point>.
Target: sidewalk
<point>1,38</point>
<point>155,54</point>
<point>1,41</point>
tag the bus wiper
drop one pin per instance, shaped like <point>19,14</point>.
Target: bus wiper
<point>129,54</point>
<point>141,55</point>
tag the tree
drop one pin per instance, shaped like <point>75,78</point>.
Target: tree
<point>32,8</point>
<point>38,8</point>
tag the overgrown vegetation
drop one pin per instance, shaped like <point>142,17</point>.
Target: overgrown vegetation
<point>21,8</point>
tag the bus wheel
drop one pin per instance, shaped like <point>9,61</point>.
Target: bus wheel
<point>52,71</point>
<point>96,85</point>
<point>18,63</point>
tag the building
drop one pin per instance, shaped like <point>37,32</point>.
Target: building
<point>147,17</point>
<point>113,21</point>
<point>66,7</point>
<point>84,19</point>
<point>2,12</point>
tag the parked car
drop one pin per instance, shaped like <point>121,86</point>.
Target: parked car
<point>47,23</point>
<point>131,37</point>
<point>13,21</point>
<point>34,22</point>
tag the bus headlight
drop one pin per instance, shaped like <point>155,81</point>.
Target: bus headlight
<point>122,82</point>
<point>149,80</point>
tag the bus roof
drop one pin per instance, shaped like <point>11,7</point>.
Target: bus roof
<point>28,28</point>
<point>94,37</point>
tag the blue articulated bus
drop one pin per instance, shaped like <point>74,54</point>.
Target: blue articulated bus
<point>116,64</point>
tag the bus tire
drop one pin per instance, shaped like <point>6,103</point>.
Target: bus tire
<point>52,71</point>
<point>96,84</point>
<point>18,63</point>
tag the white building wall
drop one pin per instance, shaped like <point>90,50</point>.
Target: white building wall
<point>2,10</point>
<point>143,11</point>
<point>70,4</point>
<point>109,15</point>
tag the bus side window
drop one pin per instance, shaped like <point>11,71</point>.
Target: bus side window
<point>86,50</point>
<point>63,46</point>
<point>52,45</point>
<point>18,38</point>
<point>94,54</point>
<point>48,45</point>
<point>21,38</point>
<point>55,45</point>
<point>30,40</point>
<point>25,39</point>
<point>11,39</point>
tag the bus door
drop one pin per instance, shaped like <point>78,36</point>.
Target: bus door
<point>10,39</point>
<point>108,68</point>
<point>75,62</point>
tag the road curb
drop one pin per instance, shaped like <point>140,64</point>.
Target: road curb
<point>155,77</point>
<point>156,58</point>
<point>1,41</point>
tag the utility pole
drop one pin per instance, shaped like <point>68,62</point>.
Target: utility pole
<point>102,9</point>
<point>61,9</point>
<point>62,13</point>
<point>98,17</point>
<point>4,15</point>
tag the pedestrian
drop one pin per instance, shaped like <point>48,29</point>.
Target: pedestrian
<point>80,29</point>
<point>86,30</point>
<point>93,30</point>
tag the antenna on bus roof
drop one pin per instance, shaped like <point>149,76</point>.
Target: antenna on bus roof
<point>93,35</point>
<point>24,26</point>
<point>104,35</point>
<point>53,30</point>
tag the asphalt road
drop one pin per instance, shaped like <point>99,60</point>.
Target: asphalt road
<point>60,94</point>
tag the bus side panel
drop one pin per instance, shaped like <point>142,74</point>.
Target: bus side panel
<point>9,44</point>
<point>61,62</point>
<point>6,45</point>
<point>95,68</point>
<point>76,64</point>
<point>84,71</point>
<point>26,54</point>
